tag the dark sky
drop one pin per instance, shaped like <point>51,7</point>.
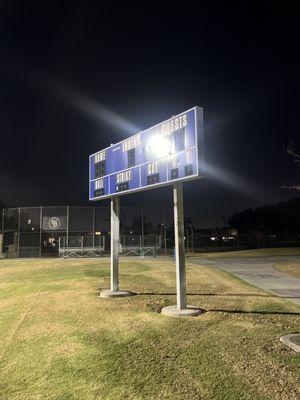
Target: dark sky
<point>67,70</point>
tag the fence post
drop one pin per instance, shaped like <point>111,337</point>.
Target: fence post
<point>165,232</point>
<point>187,236</point>
<point>2,220</point>
<point>2,228</point>
<point>142,225</point>
<point>68,215</point>
<point>93,226</point>
<point>19,227</point>
<point>192,239</point>
<point>41,223</point>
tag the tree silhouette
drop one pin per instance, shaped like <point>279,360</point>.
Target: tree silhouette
<point>281,217</point>
<point>295,184</point>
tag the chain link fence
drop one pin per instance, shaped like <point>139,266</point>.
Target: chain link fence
<point>35,231</point>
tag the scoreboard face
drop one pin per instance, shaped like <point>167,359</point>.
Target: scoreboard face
<point>162,155</point>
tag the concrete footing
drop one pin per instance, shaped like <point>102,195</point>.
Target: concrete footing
<point>189,311</point>
<point>106,294</point>
<point>292,340</point>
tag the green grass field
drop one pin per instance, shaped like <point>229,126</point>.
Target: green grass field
<point>290,268</point>
<point>60,341</point>
<point>267,252</point>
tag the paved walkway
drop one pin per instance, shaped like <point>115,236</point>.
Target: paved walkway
<point>259,272</point>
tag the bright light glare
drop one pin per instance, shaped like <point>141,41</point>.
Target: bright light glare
<point>233,180</point>
<point>160,145</point>
<point>88,106</point>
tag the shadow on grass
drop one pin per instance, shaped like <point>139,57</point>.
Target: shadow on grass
<point>208,294</point>
<point>255,312</point>
<point>262,312</point>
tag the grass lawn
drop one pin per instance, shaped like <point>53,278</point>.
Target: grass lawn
<point>289,268</point>
<point>60,341</point>
<point>269,252</point>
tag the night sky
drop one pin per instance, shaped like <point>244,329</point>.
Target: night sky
<point>79,76</point>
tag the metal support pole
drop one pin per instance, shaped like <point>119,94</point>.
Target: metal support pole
<point>115,240</point>
<point>114,251</point>
<point>179,246</point>
<point>181,309</point>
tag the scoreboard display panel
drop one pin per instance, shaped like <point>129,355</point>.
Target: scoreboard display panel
<point>161,155</point>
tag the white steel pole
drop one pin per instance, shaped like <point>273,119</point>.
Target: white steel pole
<point>115,241</point>
<point>179,246</point>
<point>181,309</point>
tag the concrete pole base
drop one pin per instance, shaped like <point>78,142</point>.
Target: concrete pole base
<point>292,340</point>
<point>189,311</point>
<point>107,293</point>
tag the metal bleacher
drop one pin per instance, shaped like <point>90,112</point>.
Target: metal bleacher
<point>81,246</point>
<point>138,245</point>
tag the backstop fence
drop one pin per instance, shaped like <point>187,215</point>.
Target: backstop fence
<point>36,231</point>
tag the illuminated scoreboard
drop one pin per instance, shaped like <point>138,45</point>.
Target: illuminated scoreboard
<point>168,152</point>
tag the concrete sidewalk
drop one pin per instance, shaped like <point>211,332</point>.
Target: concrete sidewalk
<point>259,272</point>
